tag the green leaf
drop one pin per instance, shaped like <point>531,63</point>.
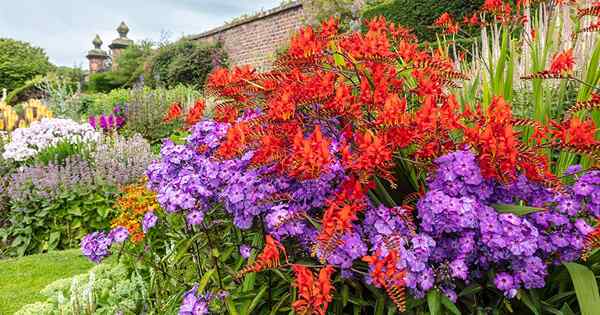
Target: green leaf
<point>526,299</point>
<point>516,209</point>
<point>231,307</point>
<point>434,302</point>
<point>450,306</point>
<point>586,288</point>
<point>205,279</point>
<point>380,305</point>
<point>345,294</point>
<point>566,309</point>
<point>54,239</point>
<point>257,299</point>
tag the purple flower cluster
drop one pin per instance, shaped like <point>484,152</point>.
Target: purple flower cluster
<point>114,121</point>
<point>189,179</point>
<point>149,221</point>
<point>194,303</point>
<point>462,237</point>
<point>95,246</point>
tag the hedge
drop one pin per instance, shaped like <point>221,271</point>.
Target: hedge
<point>420,15</point>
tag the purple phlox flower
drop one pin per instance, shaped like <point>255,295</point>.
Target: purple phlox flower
<point>194,303</point>
<point>195,217</point>
<point>118,234</point>
<point>95,246</point>
<point>245,251</point>
<point>149,221</point>
<point>504,282</point>
<point>573,169</point>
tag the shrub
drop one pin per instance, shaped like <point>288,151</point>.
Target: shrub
<point>120,161</point>
<point>104,82</point>
<point>53,206</point>
<point>107,289</point>
<point>19,62</point>
<point>183,62</point>
<point>420,15</point>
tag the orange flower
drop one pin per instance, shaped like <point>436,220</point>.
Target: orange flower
<point>309,157</point>
<point>563,62</point>
<point>195,114</point>
<point>314,295</point>
<point>268,259</point>
<point>173,113</point>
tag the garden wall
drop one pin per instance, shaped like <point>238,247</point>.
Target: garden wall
<point>256,39</point>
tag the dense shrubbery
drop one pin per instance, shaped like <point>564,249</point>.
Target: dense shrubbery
<point>19,62</point>
<point>420,15</point>
<point>62,182</point>
<point>183,62</point>
<point>359,168</point>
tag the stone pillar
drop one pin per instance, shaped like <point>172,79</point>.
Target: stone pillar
<point>119,44</point>
<point>97,57</point>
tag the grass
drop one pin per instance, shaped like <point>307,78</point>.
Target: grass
<point>21,279</point>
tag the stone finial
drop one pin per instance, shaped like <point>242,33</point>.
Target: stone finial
<point>97,42</point>
<point>123,29</point>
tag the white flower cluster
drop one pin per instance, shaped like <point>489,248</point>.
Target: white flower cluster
<point>28,142</point>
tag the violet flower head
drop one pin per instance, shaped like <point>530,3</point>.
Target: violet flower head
<point>194,304</point>
<point>149,221</point>
<point>92,121</point>
<point>118,234</point>
<point>195,217</point>
<point>95,246</point>
<point>245,251</point>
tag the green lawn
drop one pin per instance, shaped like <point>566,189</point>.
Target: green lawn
<point>21,279</point>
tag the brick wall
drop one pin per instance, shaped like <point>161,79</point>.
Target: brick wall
<point>255,40</point>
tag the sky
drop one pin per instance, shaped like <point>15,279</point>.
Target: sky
<point>66,28</point>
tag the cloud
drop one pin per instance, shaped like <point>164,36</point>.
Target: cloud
<point>65,28</point>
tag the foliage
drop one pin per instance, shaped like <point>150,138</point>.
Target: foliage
<point>105,289</point>
<point>71,78</point>
<point>131,66</point>
<point>120,161</point>
<point>420,15</point>
<point>19,62</point>
<point>23,278</point>
<point>147,108</point>
<point>183,62</point>
<point>54,206</point>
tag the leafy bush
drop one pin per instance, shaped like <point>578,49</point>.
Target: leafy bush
<point>104,82</point>
<point>107,289</point>
<point>53,206</point>
<point>183,62</point>
<point>147,108</point>
<point>120,161</point>
<point>19,62</point>
<point>420,15</point>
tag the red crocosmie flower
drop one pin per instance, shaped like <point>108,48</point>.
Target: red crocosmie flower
<point>269,258</point>
<point>473,20</point>
<point>575,132</point>
<point>227,113</point>
<point>314,293</point>
<point>306,43</point>
<point>173,113</point>
<point>563,62</point>
<point>310,156</point>
<point>341,211</point>
<point>195,114</point>
<point>494,139</point>
<point>385,273</point>
<point>493,6</point>
<point>282,107</point>
<point>446,22</point>
<point>235,141</point>
<point>370,155</point>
